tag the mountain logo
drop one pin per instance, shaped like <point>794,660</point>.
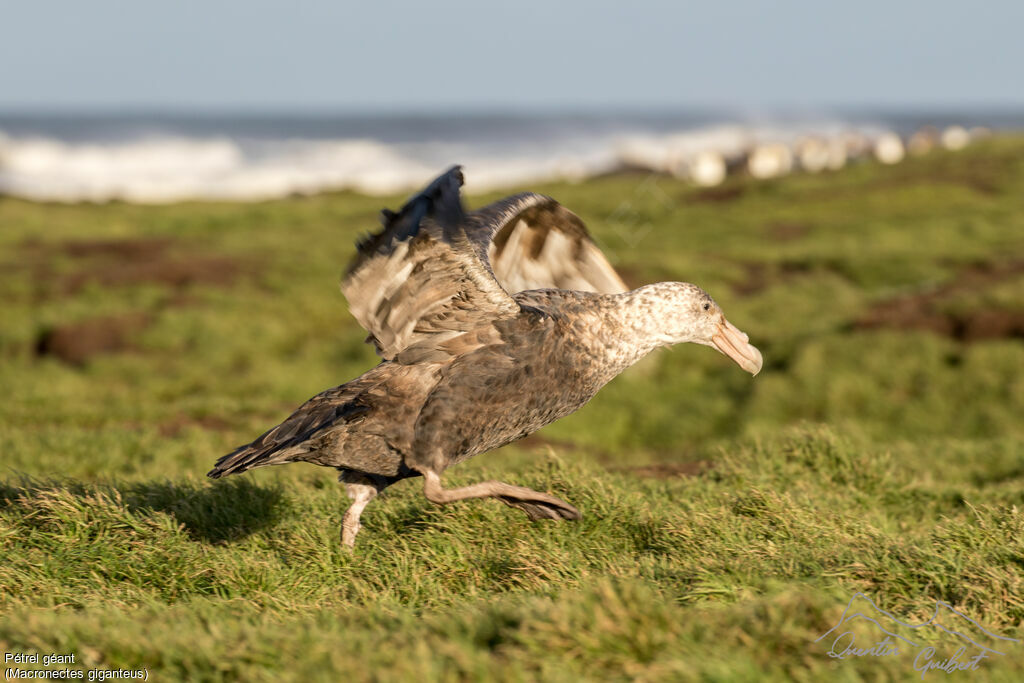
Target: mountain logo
<point>862,616</point>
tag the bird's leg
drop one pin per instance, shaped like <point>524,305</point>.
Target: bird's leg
<point>535,504</point>
<point>361,494</point>
<point>361,489</point>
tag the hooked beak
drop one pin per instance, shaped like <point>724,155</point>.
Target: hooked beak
<point>735,344</point>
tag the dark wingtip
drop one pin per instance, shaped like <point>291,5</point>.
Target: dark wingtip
<point>440,200</point>
<point>452,177</point>
<point>456,171</point>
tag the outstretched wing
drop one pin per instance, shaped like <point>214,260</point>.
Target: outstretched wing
<point>420,282</point>
<point>433,272</point>
<point>533,242</point>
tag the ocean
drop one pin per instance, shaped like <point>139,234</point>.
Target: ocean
<point>158,157</point>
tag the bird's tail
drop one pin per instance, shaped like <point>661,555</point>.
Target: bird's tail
<point>288,441</point>
<point>245,458</point>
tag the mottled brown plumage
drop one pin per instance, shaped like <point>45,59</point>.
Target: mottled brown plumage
<point>491,325</point>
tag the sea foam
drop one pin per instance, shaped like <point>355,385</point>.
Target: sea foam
<point>161,167</point>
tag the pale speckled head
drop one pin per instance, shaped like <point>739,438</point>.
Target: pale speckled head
<point>686,313</point>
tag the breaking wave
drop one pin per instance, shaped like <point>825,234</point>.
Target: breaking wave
<point>166,167</point>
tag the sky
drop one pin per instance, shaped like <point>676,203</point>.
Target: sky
<point>381,55</point>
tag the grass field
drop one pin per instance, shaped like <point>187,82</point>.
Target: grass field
<point>727,521</point>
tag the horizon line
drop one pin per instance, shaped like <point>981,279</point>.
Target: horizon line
<point>504,109</point>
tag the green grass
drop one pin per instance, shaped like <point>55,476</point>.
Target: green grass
<point>883,458</point>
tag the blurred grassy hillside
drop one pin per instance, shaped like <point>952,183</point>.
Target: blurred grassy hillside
<point>727,520</point>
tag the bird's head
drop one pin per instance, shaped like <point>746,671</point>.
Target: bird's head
<point>689,314</point>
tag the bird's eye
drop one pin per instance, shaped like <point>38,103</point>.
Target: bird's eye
<point>707,307</point>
